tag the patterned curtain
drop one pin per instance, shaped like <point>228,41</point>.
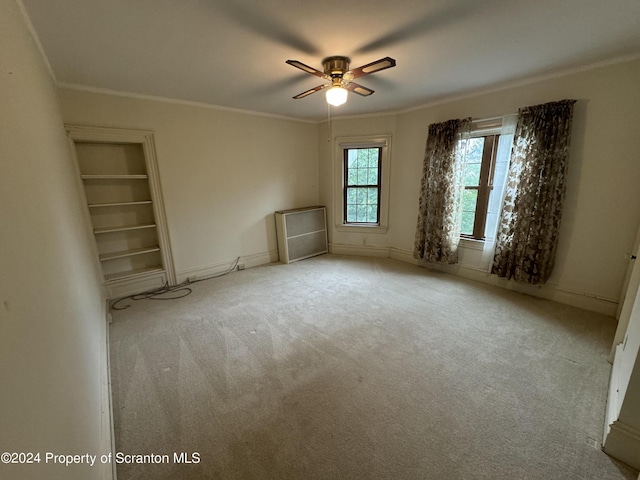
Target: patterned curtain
<point>438,230</point>
<point>530,218</point>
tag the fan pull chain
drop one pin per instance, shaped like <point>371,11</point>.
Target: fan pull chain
<point>329,124</point>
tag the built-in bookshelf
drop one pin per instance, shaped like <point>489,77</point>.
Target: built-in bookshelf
<point>121,187</point>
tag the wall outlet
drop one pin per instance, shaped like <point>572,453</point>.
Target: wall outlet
<point>241,266</point>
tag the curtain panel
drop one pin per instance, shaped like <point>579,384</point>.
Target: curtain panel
<point>530,219</point>
<point>440,207</point>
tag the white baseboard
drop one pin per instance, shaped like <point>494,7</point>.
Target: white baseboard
<point>359,250</point>
<point>403,256</point>
<point>131,286</point>
<point>258,259</point>
<point>623,443</point>
<point>548,291</point>
<point>220,268</point>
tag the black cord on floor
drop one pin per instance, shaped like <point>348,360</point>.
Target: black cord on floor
<point>156,294</point>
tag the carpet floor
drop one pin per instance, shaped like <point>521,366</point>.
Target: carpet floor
<point>342,367</point>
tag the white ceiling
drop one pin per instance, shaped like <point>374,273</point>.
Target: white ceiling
<point>232,53</point>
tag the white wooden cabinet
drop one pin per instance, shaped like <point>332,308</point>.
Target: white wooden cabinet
<point>118,172</point>
<point>302,233</point>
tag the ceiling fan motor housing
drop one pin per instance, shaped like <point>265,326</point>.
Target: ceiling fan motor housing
<point>335,66</point>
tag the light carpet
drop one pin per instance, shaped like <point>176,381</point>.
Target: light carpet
<point>360,368</point>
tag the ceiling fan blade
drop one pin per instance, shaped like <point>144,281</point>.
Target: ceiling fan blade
<point>309,92</point>
<point>359,89</point>
<point>306,68</point>
<point>382,64</point>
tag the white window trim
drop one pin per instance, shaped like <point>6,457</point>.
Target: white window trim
<point>375,141</point>
<point>485,132</point>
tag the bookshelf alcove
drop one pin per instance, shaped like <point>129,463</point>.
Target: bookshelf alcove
<point>118,172</point>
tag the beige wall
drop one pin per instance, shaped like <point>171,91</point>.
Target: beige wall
<point>53,395</point>
<point>223,173</point>
<point>601,214</point>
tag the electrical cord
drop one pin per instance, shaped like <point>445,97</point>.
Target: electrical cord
<point>156,293</point>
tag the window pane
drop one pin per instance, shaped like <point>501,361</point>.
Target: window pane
<point>362,167</point>
<point>362,176</point>
<point>373,157</point>
<point>372,213</point>
<point>362,205</point>
<point>352,176</point>
<point>469,199</point>
<point>352,196</point>
<point>472,174</point>
<point>358,176</point>
<point>466,228</point>
<point>363,157</point>
<point>372,197</point>
<point>361,215</point>
<point>372,176</point>
<point>353,158</point>
<point>474,150</point>
<point>351,213</point>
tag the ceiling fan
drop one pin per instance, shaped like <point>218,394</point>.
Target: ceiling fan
<point>336,70</point>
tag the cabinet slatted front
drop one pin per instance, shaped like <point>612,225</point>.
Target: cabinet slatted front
<point>302,233</point>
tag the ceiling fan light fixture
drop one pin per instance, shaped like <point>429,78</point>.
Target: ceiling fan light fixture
<point>336,69</point>
<point>336,96</point>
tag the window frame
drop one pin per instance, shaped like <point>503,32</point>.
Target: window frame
<point>485,183</point>
<point>347,186</point>
<point>363,141</point>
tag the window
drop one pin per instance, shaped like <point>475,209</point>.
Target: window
<point>362,168</point>
<point>479,173</point>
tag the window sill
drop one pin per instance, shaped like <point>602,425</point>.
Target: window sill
<point>361,228</point>
<point>471,243</point>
